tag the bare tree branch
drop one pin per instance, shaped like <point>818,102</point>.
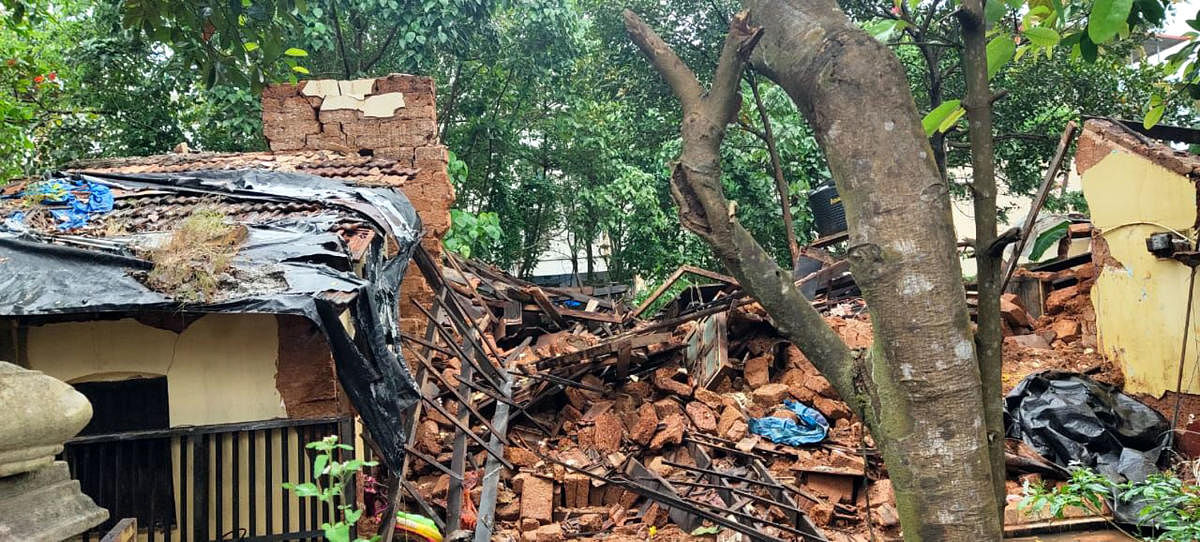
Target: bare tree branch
<point>678,75</point>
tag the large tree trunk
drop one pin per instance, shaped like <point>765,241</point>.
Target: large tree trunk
<point>918,388</point>
<point>989,339</point>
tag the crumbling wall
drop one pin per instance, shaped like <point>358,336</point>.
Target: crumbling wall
<point>390,118</point>
<point>1134,189</point>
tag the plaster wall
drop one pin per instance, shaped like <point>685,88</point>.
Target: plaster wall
<point>220,369</point>
<point>1140,300</point>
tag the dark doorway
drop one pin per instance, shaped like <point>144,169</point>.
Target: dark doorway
<point>131,478</point>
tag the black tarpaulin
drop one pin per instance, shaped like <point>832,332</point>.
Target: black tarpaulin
<point>305,269</point>
<point>1070,419</point>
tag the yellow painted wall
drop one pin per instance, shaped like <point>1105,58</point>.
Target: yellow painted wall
<point>221,369</point>
<point>1140,306</point>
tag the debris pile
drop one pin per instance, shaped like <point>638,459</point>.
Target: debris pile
<point>609,423</point>
<point>549,413</point>
<point>1063,334</point>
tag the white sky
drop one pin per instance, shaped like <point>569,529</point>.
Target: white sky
<point>1176,20</point>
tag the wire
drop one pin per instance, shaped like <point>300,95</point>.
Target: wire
<point>1145,223</point>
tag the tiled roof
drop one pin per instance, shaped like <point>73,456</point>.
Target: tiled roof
<point>152,210</point>
<point>361,170</point>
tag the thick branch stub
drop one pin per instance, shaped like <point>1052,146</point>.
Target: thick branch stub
<point>678,75</point>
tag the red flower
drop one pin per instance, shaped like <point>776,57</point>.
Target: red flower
<point>52,76</point>
<point>38,79</point>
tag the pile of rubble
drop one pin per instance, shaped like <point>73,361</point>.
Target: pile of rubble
<point>611,423</point>
<point>604,420</point>
<point>1063,334</point>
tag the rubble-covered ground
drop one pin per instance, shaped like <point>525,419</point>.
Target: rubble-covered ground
<point>590,432</point>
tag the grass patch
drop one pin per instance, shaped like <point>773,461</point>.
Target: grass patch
<point>190,265</point>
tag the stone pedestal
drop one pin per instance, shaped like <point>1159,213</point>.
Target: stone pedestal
<point>45,505</point>
<point>38,499</point>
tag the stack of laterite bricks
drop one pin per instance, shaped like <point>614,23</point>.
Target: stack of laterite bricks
<point>392,118</point>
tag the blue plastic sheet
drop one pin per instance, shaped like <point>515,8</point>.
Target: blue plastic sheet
<point>812,427</point>
<point>73,202</point>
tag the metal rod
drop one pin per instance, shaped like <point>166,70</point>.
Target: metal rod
<point>491,470</point>
<point>463,400</point>
<point>1039,199</point>
<point>433,462</point>
<point>466,358</point>
<point>458,459</point>
<point>719,473</point>
<point>560,380</point>
<point>743,492</point>
<point>461,425</point>
<point>1187,328</point>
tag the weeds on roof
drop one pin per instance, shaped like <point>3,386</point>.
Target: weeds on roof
<point>190,265</point>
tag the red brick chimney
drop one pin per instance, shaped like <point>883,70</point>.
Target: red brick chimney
<point>391,119</point>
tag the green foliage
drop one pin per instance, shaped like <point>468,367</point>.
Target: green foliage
<point>331,477</point>
<point>471,234</point>
<point>943,117</point>
<point>1046,81</point>
<point>1086,489</point>
<point>560,130</point>
<point>1167,503</point>
<point>1048,238</point>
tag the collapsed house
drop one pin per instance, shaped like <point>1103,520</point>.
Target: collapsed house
<point>222,310</point>
<point>516,411</point>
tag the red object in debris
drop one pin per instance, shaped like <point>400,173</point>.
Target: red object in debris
<point>38,79</point>
<point>469,514</point>
<point>52,76</point>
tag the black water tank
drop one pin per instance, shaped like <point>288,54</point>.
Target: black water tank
<point>828,212</point>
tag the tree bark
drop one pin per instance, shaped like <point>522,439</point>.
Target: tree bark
<point>918,388</point>
<point>989,339</point>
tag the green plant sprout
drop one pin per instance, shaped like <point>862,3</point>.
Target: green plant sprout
<point>1169,504</point>
<point>330,477</point>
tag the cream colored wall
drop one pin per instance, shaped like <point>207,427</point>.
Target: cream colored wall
<point>221,369</point>
<point>1141,306</point>
<point>1017,208</point>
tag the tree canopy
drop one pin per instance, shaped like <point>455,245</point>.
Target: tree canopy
<point>559,131</point>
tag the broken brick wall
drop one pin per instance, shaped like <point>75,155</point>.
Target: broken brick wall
<point>390,118</point>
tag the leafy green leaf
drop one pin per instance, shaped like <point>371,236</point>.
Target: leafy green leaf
<point>1000,50</point>
<point>993,11</point>
<point>307,489</point>
<point>300,69</point>
<point>338,532</point>
<point>951,119</point>
<point>1154,115</point>
<point>1042,36</point>
<point>934,118</point>
<point>319,464</point>
<point>1047,238</point>
<point>701,531</point>
<point>250,46</point>
<point>1107,18</point>
<point>295,51</point>
<point>884,29</point>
